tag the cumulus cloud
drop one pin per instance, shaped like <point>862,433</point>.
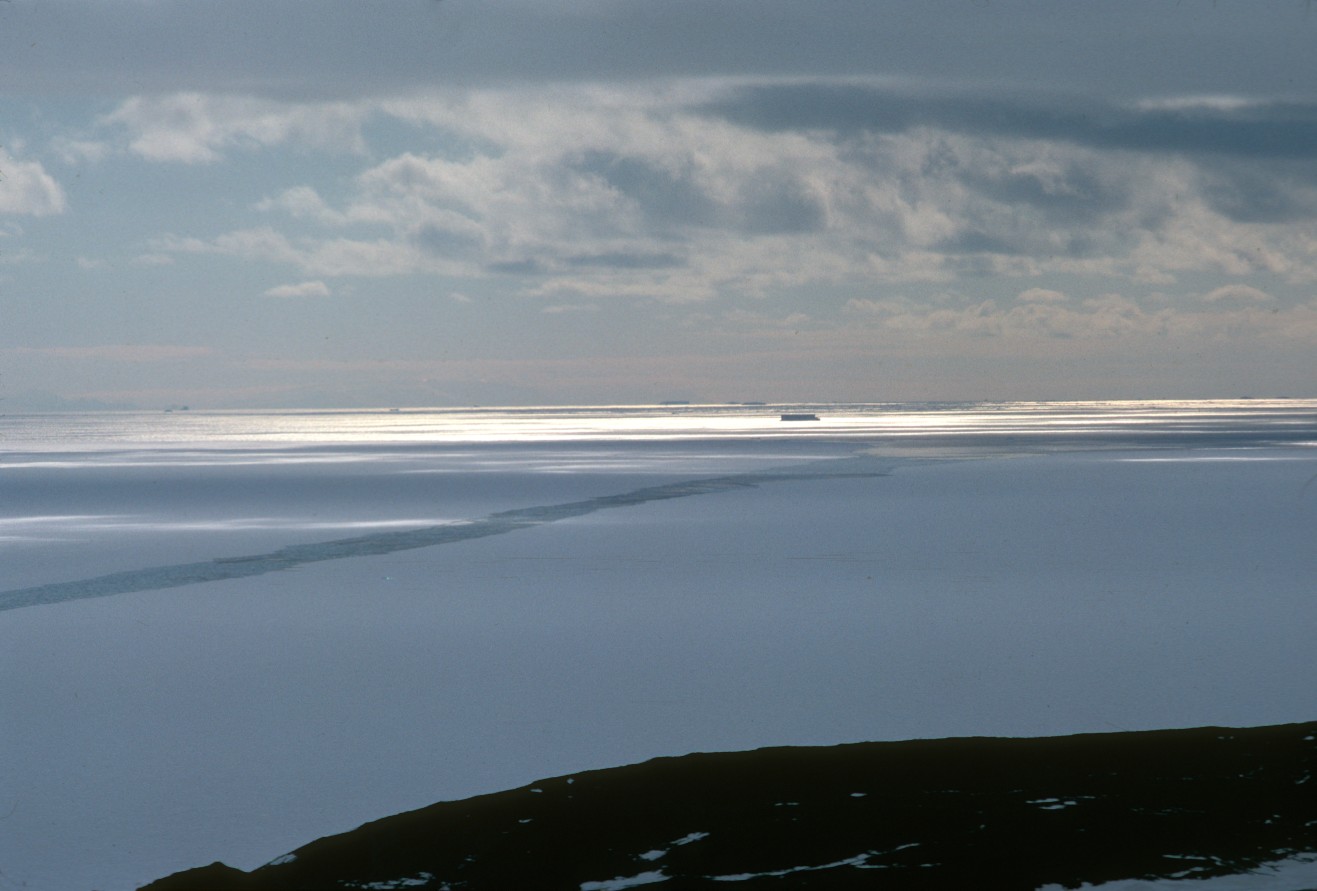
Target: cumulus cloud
<point>27,189</point>
<point>322,257</point>
<point>1042,295</point>
<point>571,191</point>
<point>1253,191</point>
<point>686,190</point>
<point>971,181</point>
<point>302,203</point>
<point>301,289</point>
<point>1238,294</point>
<point>568,308</point>
<point>193,128</point>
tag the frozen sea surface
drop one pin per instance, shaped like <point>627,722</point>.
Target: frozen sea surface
<point>663,586</point>
<point>1298,874</point>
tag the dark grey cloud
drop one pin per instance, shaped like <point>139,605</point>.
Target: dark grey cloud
<point>1069,207</point>
<point>1075,193</point>
<point>779,205</point>
<point>673,201</point>
<point>667,197</point>
<point>349,48</point>
<point>1268,129</point>
<point>1266,193</point>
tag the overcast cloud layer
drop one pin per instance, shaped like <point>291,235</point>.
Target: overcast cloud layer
<point>447,202</point>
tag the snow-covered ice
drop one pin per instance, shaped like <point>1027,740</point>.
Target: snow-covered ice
<point>650,877</point>
<point>848,585</point>
<point>1296,874</point>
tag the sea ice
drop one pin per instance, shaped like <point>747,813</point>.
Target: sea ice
<point>156,730</point>
<point>1298,874</point>
<point>621,883</point>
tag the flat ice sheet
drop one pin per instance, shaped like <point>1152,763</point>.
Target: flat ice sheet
<point>237,719</point>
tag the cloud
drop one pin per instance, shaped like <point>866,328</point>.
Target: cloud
<point>259,243</point>
<point>332,48</point>
<point>301,289</point>
<point>321,257</point>
<point>303,203</point>
<point>196,128</point>
<point>756,162</point>
<point>1262,192</point>
<point>597,188</point>
<point>1051,317</point>
<point>27,189</point>
<point>1232,314</point>
<point>759,324</point>
<point>1042,295</point>
<point>1247,128</point>
<point>566,308</point>
<point>686,190</point>
<point>1238,294</point>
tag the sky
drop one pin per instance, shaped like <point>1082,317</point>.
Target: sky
<point>330,203</point>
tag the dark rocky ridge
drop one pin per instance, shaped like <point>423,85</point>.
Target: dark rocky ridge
<point>933,814</point>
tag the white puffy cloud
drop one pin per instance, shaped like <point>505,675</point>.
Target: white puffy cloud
<point>568,308</point>
<point>1239,294</point>
<point>322,257</point>
<point>303,203</point>
<point>577,193</point>
<point>301,289</point>
<point>27,189</point>
<point>1042,295</point>
<point>193,128</point>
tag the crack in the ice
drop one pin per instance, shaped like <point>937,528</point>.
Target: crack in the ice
<point>155,578</point>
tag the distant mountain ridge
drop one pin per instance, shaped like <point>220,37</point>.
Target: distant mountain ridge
<point>928,814</point>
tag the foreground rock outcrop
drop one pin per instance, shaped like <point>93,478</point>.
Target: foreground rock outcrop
<point>934,814</point>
